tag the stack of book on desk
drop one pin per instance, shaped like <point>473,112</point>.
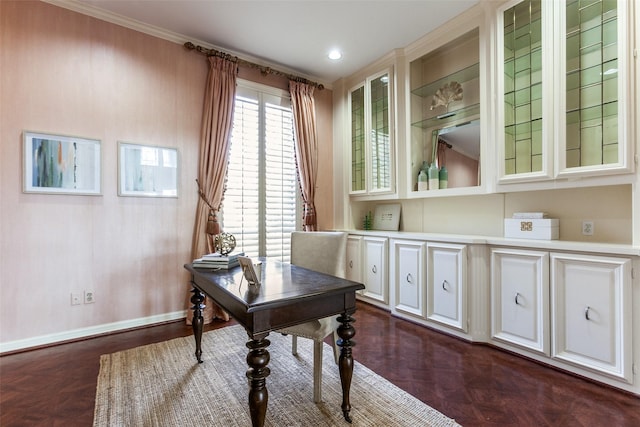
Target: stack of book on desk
<point>216,260</point>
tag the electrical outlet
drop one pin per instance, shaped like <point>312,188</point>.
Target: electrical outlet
<point>89,297</point>
<point>587,228</point>
<point>76,298</point>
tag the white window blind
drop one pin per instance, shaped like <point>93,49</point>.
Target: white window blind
<point>261,202</point>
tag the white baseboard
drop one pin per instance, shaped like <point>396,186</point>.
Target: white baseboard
<point>90,331</point>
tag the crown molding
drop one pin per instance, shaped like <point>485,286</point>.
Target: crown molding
<point>105,15</point>
<point>161,33</point>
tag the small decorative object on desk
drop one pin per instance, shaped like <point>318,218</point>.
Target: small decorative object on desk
<point>249,270</point>
<point>225,243</point>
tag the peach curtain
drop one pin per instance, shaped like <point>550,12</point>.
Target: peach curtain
<point>304,120</point>
<point>217,121</point>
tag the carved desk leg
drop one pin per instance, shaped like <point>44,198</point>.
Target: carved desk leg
<point>196,323</point>
<point>346,332</point>
<point>257,359</point>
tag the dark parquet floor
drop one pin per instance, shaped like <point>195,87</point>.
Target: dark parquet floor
<point>475,384</point>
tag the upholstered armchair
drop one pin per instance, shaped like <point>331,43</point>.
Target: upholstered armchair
<point>323,251</point>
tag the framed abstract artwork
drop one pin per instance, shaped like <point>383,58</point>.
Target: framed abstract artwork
<point>147,171</point>
<point>58,164</point>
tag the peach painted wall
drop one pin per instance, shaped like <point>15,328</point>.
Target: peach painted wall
<point>65,73</point>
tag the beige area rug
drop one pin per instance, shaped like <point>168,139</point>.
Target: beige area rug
<point>163,385</point>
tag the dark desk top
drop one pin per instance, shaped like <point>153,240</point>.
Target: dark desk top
<point>288,295</point>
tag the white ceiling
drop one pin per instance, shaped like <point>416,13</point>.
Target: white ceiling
<point>294,34</point>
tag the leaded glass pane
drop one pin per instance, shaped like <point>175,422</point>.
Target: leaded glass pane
<point>357,140</point>
<point>523,92</point>
<point>380,143</point>
<point>591,82</point>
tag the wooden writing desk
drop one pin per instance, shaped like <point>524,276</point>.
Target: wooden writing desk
<point>289,295</point>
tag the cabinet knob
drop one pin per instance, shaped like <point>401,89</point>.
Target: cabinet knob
<point>445,284</point>
<point>409,278</point>
<point>351,264</point>
<point>586,313</point>
<point>516,298</point>
<point>374,269</point>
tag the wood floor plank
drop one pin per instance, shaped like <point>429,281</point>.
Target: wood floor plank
<point>476,384</point>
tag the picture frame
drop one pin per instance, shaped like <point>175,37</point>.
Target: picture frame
<point>60,164</point>
<point>147,170</point>
<point>248,270</point>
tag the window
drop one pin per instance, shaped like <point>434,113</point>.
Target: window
<point>261,202</point>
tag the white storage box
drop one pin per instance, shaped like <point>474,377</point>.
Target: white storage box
<point>532,228</point>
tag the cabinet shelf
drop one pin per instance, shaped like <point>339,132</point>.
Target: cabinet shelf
<point>469,111</point>
<point>445,129</point>
<point>464,75</point>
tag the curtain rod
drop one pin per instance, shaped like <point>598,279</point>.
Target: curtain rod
<point>264,70</point>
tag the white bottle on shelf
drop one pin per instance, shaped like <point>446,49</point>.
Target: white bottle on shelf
<point>423,181</point>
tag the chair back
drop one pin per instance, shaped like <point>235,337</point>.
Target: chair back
<point>322,251</point>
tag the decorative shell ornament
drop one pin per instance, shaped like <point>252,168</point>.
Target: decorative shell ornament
<point>225,243</point>
<point>448,93</point>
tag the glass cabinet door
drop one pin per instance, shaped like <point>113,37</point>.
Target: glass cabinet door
<point>371,144</point>
<point>564,81</point>
<point>594,79</point>
<point>358,177</point>
<point>380,137</point>
<point>525,89</point>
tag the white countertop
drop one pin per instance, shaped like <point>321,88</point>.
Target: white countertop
<point>552,245</point>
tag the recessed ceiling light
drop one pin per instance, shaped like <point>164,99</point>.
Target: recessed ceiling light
<point>335,54</point>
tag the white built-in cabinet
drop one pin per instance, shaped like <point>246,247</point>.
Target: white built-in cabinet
<point>375,260</point>
<point>591,312</point>
<point>448,146</point>
<point>444,114</point>
<point>572,308</point>
<point>371,131</point>
<point>547,89</point>
<point>508,96</point>
<point>563,80</point>
<point>354,259</point>
<point>567,305</point>
<point>408,284</point>
<point>520,298</point>
<point>447,284</point>
<point>428,283</point>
